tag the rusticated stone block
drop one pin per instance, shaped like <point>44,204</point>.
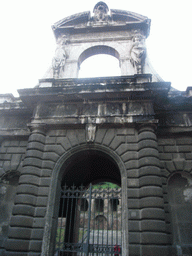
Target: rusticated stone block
<point>34,153</point>
<point>72,136</point>
<point>17,245</point>
<point>16,150</point>
<point>166,142</point>
<point>134,249</point>
<point>42,201</point>
<point>149,161</point>
<point>37,137</point>
<point>129,156</point>
<point>133,203</point>
<point>117,141</point>
<point>32,161</point>
<point>187,166</point>
<point>133,173</point>
<point>51,156</point>
<point>109,135</point>
<point>46,173</point>
<point>38,222</point>
<point>29,179</point>
<point>134,237</point>
<point>126,147</point>
<point>154,238</point>
<point>23,143</point>
<point>37,234</point>
<point>27,189</point>
<point>134,214</point>
<point>149,181</point>
<point>32,170</point>
<point>165,156</point>
<point>81,136</point>
<point>153,225</point>
<point>50,140</point>
<point>179,164</point>
<point>43,191</point>
<point>170,149</point>
<point>25,199</point>
<point>145,152</point>
<point>147,144</point>
<point>133,183</point>
<point>40,211</point>
<point>150,170</point>
<point>47,164</point>
<point>125,131</point>
<point>5,157</point>
<point>45,182</point>
<point>131,139</point>
<point>8,253</point>
<point>132,164</point>
<point>22,233</point>
<point>184,141</point>
<point>134,226</point>
<point>35,145</point>
<point>186,148</point>
<point>148,202</point>
<point>21,221</point>
<point>133,192</point>
<point>58,149</point>
<point>35,245</point>
<point>23,210</point>
<point>14,143</point>
<point>147,135</point>
<point>100,133</point>
<point>151,250</point>
<point>150,191</point>
<point>170,166</point>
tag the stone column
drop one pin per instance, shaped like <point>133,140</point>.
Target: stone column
<point>27,222</point>
<point>153,235</point>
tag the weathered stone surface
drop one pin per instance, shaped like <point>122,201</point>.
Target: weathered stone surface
<point>132,130</point>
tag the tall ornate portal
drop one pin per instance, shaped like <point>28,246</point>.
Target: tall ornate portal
<point>63,138</point>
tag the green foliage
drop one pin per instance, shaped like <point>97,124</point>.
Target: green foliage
<point>105,185</point>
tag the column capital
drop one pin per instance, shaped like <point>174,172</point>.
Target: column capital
<point>37,128</point>
<point>148,126</point>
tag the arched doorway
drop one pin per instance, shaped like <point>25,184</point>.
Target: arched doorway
<point>90,183</point>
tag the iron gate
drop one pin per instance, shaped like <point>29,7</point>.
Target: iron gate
<point>89,221</point>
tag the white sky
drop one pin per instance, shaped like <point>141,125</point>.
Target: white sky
<point>27,42</point>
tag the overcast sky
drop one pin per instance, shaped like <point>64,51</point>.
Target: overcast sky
<point>27,42</point>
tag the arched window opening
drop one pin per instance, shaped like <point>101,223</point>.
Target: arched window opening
<point>84,205</point>
<point>180,201</point>
<point>101,65</point>
<point>114,204</point>
<point>99,205</point>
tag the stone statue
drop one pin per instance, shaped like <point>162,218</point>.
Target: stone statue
<point>138,52</point>
<point>100,12</point>
<point>90,132</point>
<point>58,61</point>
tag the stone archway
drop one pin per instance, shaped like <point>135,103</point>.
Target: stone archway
<point>71,168</point>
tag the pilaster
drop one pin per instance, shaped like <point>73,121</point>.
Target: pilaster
<point>27,222</point>
<point>152,216</point>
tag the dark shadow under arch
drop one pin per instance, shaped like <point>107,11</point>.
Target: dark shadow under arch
<point>90,166</point>
<point>62,167</point>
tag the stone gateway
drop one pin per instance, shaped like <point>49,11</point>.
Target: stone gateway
<point>97,166</point>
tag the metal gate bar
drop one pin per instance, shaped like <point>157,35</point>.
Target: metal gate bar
<point>89,221</point>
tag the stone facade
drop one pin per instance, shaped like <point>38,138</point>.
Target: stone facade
<point>136,126</point>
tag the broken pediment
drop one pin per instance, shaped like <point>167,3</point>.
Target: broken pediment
<point>101,17</point>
